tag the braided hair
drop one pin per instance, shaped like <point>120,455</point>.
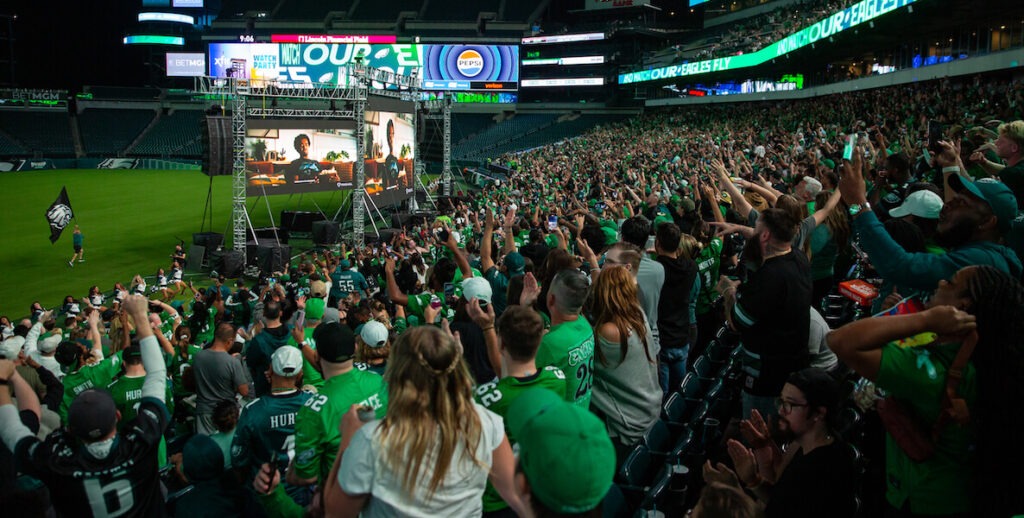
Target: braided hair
<point>998,305</point>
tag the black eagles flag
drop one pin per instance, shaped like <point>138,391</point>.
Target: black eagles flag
<point>59,214</point>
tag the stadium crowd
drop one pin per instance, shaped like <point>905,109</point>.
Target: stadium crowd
<point>665,288</point>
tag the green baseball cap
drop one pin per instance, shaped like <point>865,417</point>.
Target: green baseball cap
<point>662,219</point>
<point>564,451</point>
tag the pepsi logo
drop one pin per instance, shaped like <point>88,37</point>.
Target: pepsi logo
<point>470,63</point>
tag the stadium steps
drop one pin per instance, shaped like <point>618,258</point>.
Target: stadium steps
<point>131,147</point>
<point>76,136</point>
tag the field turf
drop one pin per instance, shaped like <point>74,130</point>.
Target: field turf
<point>131,220</point>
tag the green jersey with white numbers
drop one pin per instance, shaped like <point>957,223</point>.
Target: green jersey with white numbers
<point>127,394</point>
<point>497,396</point>
<point>316,426</point>
<point>97,375</point>
<point>570,347</point>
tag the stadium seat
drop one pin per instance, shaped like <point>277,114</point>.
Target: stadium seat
<point>655,496</point>
<point>717,353</point>
<point>697,416</point>
<point>692,387</point>
<point>704,369</point>
<point>658,438</point>
<point>678,409</point>
<point>848,423</point>
<point>638,469</point>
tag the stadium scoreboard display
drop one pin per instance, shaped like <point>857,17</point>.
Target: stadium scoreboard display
<point>848,18</point>
<point>440,67</point>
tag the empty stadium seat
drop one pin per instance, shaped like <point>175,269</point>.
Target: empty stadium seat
<point>658,438</point>
<point>692,386</point>
<point>638,469</point>
<point>107,131</point>
<point>42,130</point>
<point>677,409</point>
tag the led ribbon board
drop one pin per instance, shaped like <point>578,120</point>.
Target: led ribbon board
<point>441,67</point>
<point>167,17</point>
<point>149,39</point>
<point>847,18</point>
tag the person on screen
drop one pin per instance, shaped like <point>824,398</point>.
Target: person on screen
<point>391,162</point>
<point>303,169</point>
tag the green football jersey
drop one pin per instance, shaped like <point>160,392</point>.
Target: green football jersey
<point>310,376</point>
<point>178,363</point>
<point>316,426</point>
<point>570,347</point>
<point>89,376</point>
<point>266,431</point>
<point>127,393</point>
<point>497,396</point>
<point>708,261</point>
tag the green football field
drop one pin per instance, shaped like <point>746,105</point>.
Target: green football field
<point>131,220</point>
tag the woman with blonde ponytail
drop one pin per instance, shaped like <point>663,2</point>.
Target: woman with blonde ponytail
<point>436,448</point>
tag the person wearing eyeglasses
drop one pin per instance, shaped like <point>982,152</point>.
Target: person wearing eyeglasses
<point>811,454</point>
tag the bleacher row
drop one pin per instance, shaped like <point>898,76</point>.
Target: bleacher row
<point>435,10</point>
<point>521,132</point>
<point>105,132</point>
<point>664,471</point>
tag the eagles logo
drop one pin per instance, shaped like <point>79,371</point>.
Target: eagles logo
<point>59,216</point>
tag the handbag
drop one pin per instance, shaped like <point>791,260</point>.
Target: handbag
<point>912,435</point>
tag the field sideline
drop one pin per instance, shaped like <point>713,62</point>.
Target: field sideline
<point>131,220</point>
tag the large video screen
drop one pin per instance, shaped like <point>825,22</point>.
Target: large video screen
<point>441,67</point>
<point>296,156</point>
<point>297,159</point>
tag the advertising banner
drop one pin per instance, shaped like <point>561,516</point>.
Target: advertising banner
<point>442,67</point>
<point>593,5</point>
<point>847,18</point>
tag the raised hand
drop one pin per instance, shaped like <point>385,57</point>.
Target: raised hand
<point>531,290</point>
<point>743,460</point>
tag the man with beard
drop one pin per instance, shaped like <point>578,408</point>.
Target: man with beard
<point>770,310</point>
<point>971,225</point>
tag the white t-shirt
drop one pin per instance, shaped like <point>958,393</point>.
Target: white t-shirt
<point>364,471</point>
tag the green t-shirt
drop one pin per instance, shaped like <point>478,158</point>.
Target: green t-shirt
<point>942,483</point>
<point>127,393</point>
<point>89,376</point>
<point>316,427</point>
<point>497,396</point>
<point>708,261</point>
<point>310,376</point>
<point>570,347</point>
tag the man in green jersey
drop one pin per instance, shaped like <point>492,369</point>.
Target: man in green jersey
<point>266,428</point>
<point>126,390</point>
<point>520,329</point>
<point>84,372</point>
<point>570,343</point>
<point>316,426</point>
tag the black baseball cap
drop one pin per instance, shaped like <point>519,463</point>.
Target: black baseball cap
<point>92,415</point>
<point>335,343</point>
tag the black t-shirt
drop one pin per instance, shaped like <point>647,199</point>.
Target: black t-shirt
<point>303,170</point>
<point>771,314</point>
<point>474,347</point>
<point>821,483</point>
<point>124,484</point>
<point>674,304</point>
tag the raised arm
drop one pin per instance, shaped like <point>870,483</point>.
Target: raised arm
<point>155,384</point>
<point>738,201</point>
<point>823,213</point>
<point>486,261</point>
<point>394,293</point>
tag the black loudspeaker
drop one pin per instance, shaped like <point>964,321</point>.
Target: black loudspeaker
<point>325,232</point>
<point>272,258</point>
<point>217,151</point>
<point>296,221</point>
<point>233,264</point>
<point>400,219</point>
<point>209,240</point>
<point>196,259</point>
<point>272,235</point>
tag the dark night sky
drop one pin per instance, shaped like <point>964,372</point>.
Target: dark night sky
<point>72,43</point>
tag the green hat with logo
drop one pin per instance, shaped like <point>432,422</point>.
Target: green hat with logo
<point>564,451</point>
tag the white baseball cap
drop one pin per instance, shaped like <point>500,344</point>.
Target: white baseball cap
<point>10,347</point>
<point>374,334</point>
<point>286,361</point>
<point>478,288</point>
<point>49,344</point>
<point>923,204</point>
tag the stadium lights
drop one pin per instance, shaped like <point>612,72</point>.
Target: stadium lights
<point>150,39</point>
<point>167,17</point>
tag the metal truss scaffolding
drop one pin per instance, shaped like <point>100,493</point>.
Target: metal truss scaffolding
<point>361,82</point>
